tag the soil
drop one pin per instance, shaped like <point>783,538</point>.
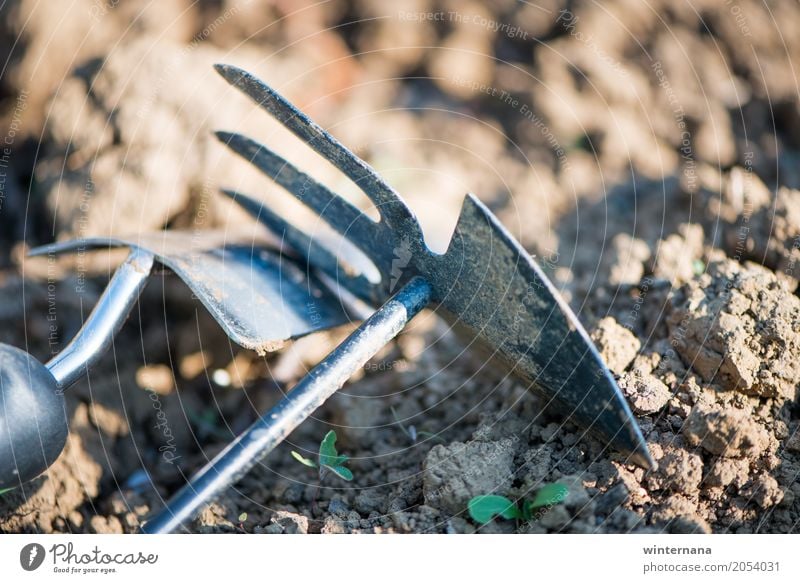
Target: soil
<point>646,154</point>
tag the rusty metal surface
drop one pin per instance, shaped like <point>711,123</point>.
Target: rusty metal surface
<point>485,283</point>
<point>260,297</point>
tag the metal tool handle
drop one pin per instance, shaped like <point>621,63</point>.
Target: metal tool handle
<point>314,389</point>
<point>107,318</point>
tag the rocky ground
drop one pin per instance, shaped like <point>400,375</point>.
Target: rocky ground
<point>645,152</point>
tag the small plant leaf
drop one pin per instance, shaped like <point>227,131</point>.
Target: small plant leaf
<point>327,450</point>
<point>342,472</point>
<point>304,460</point>
<point>4,490</point>
<point>243,517</point>
<point>548,495</point>
<point>484,508</point>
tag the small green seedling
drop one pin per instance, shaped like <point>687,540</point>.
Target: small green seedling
<point>484,509</point>
<point>411,431</point>
<point>329,459</point>
<point>242,520</point>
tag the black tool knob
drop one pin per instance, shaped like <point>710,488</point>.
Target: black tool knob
<point>33,420</point>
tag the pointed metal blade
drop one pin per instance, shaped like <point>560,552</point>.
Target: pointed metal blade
<point>490,285</point>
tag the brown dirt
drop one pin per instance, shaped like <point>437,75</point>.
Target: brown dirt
<point>646,155</point>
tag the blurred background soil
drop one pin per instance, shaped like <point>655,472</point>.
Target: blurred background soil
<point>646,153</point>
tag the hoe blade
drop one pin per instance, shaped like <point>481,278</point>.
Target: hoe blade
<point>490,285</point>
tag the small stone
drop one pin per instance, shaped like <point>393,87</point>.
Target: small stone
<point>637,494</point>
<point>645,393</point>
<point>612,499</point>
<point>192,365</point>
<point>105,525</point>
<point>678,253</point>
<point>333,525</point>
<point>617,345</point>
<point>692,524</point>
<point>456,473</point>
<point>338,507</point>
<point>725,432</point>
<point>536,464</point>
<point>353,520</point>
<point>793,442</point>
<point>290,522</point>
<point>458,525</point>
<point>213,516</point>
<point>577,501</point>
<point>368,501</point>
<point>292,493</point>
<point>764,491</point>
<point>678,514</point>
<point>728,471</point>
<point>462,59</point>
<point>156,377</point>
<point>627,258</point>
<point>550,431</point>
<point>131,521</point>
<point>679,471</point>
<point>76,518</point>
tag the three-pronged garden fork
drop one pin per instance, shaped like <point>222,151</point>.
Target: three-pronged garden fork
<point>485,283</point>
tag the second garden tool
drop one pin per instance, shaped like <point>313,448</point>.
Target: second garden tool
<point>260,297</point>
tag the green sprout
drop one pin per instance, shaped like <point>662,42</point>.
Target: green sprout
<point>329,459</point>
<point>5,490</point>
<point>484,509</point>
<point>329,462</point>
<point>411,431</point>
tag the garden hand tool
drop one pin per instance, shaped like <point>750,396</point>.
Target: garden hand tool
<point>260,297</point>
<point>485,283</point>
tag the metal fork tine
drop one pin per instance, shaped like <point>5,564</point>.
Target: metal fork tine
<point>333,209</point>
<point>389,204</point>
<point>311,250</point>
